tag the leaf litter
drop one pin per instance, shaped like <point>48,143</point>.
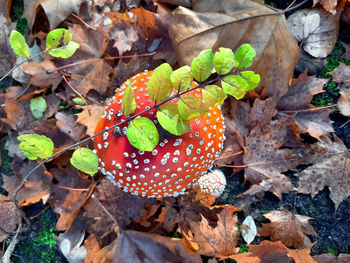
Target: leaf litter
<point>264,135</point>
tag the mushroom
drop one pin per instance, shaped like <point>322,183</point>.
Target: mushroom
<point>176,162</point>
<point>214,182</point>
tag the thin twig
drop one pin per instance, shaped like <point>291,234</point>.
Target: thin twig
<point>104,209</point>
<point>82,21</point>
<point>77,92</point>
<point>11,247</point>
<point>309,110</point>
<point>295,7</point>
<point>84,77</point>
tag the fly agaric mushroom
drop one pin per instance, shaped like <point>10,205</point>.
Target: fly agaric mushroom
<point>176,162</point>
<point>214,182</point>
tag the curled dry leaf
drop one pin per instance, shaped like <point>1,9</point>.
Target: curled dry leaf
<point>231,24</point>
<point>316,29</point>
<point>288,228</point>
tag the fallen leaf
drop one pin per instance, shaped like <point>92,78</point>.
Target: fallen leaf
<point>231,24</point>
<point>10,216</point>
<point>220,241</point>
<point>344,102</point>
<point>55,10</point>
<point>288,228</point>
<point>67,124</point>
<point>331,170</point>
<point>138,247</point>
<point>341,75</point>
<point>329,5</point>
<point>35,189</point>
<point>302,255</point>
<point>330,258</point>
<point>248,230</point>
<point>316,29</point>
<point>90,116</point>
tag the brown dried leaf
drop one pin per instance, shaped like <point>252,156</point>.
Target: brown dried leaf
<point>10,217</point>
<point>90,116</point>
<point>288,228</point>
<point>37,188</point>
<point>265,160</point>
<point>43,74</point>
<point>232,23</point>
<point>329,5</point>
<point>138,247</point>
<point>330,258</point>
<point>316,29</point>
<point>220,241</point>
<point>302,255</point>
<point>7,56</point>
<point>331,170</point>
<point>341,75</point>
<point>67,124</point>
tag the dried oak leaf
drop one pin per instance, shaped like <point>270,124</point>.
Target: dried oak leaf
<point>138,247</point>
<point>214,24</point>
<point>316,29</point>
<point>298,98</point>
<point>330,5</point>
<point>269,251</point>
<point>220,241</point>
<point>288,228</point>
<point>330,258</point>
<point>94,75</point>
<point>10,217</point>
<point>265,159</point>
<point>37,187</point>
<point>341,75</point>
<point>331,170</point>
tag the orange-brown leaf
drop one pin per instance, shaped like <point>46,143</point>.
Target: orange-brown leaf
<point>288,228</point>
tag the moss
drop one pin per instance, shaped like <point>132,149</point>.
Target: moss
<point>331,251</point>
<point>16,13</point>
<point>5,160</point>
<point>244,249</point>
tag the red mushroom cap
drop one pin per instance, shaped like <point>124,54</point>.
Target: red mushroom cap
<point>174,165</point>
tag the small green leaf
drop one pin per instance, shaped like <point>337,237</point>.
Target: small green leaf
<point>182,78</point>
<point>202,65</point>
<point>235,86</point>
<point>159,86</point>
<point>85,160</point>
<point>35,146</point>
<point>169,118</point>
<point>244,56</point>
<point>213,95</point>
<point>78,101</point>
<point>58,37</point>
<point>38,107</point>
<point>224,60</point>
<point>192,107</point>
<point>65,51</point>
<point>251,78</point>
<point>19,45</point>
<point>143,134</point>
<point>129,104</point>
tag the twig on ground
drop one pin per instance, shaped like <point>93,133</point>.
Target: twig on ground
<point>11,247</point>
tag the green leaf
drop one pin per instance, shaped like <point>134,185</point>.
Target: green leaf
<point>191,107</point>
<point>35,146</point>
<point>143,134</point>
<point>19,45</point>
<point>235,86</point>
<point>169,118</point>
<point>182,78</point>
<point>213,95</point>
<point>78,101</point>
<point>129,104</point>
<point>58,37</point>
<point>65,51</point>
<point>202,65</point>
<point>159,86</point>
<point>85,160</point>
<point>224,60</point>
<point>38,107</point>
<point>244,56</point>
<point>251,78</point>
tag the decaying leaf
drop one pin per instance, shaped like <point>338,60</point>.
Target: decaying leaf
<point>288,228</point>
<point>90,116</point>
<point>316,29</point>
<point>9,215</point>
<point>330,258</point>
<point>344,102</point>
<point>220,241</point>
<point>329,5</point>
<point>331,170</point>
<point>231,24</point>
<point>341,75</point>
